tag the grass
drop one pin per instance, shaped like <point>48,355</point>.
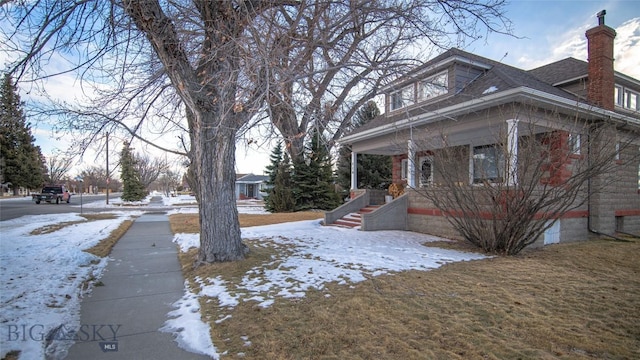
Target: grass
<point>103,248</point>
<point>55,227</point>
<point>567,301</point>
<point>190,224</point>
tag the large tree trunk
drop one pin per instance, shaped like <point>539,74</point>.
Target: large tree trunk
<point>214,156</point>
<point>209,94</point>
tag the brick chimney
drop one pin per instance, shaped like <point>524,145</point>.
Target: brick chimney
<point>601,86</point>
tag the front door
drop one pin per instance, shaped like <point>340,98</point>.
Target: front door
<point>250,193</point>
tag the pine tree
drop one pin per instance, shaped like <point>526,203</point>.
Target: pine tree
<point>133,190</point>
<point>279,192</point>
<point>374,171</point>
<point>276,161</point>
<point>20,158</point>
<point>313,180</point>
<point>282,199</point>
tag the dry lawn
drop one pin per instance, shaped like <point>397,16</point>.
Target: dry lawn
<point>103,248</point>
<point>190,224</point>
<point>569,301</point>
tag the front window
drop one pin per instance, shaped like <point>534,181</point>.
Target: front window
<point>488,164</point>
<point>402,98</point>
<point>435,86</point>
<point>426,171</point>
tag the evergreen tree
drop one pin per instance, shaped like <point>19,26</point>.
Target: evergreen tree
<point>20,159</point>
<point>276,161</point>
<point>133,190</point>
<point>281,196</point>
<point>374,171</point>
<point>313,180</point>
<point>279,193</point>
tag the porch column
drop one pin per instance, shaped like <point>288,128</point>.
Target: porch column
<point>411,164</point>
<point>512,152</point>
<point>354,170</point>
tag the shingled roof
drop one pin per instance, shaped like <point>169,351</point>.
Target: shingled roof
<point>562,71</point>
<point>499,77</point>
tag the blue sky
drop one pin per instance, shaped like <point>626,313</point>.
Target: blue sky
<point>545,31</point>
<point>552,30</point>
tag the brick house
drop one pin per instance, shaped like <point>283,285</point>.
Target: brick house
<point>462,100</point>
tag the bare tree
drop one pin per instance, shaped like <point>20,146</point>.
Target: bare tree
<point>58,168</point>
<point>94,177</point>
<point>149,168</point>
<point>514,197</point>
<point>198,71</point>
<point>169,181</point>
<point>330,58</point>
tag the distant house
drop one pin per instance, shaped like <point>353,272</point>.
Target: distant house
<point>250,186</point>
<point>472,98</point>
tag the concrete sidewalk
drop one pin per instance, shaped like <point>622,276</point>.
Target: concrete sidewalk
<point>140,285</point>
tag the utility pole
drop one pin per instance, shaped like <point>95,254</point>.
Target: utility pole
<point>108,177</point>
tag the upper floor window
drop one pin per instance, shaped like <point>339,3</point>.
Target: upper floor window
<point>488,164</point>
<point>617,95</point>
<point>435,85</point>
<point>401,98</point>
<point>631,100</point>
<point>626,98</point>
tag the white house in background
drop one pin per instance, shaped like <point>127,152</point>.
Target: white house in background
<point>250,186</point>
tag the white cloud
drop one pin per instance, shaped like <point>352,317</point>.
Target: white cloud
<point>574,44</point>
<point>627,48</point>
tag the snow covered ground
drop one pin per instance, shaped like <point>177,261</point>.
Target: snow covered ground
<point>320,255</point>
<point>43,278</point>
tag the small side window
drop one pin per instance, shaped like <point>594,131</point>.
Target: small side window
<point>405,169</point>
<point>574,143</point>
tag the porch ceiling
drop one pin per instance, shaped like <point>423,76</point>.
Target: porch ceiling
<point>461,124</point>
<point>434,137</point>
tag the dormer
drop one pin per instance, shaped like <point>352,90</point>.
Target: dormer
<point>440,78</point>
<point>626,93</point>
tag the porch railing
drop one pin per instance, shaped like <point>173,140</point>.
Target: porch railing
<point>391,216</point>
<point>352,206</point>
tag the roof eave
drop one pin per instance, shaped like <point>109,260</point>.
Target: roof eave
<point>485,102</point>
<point>399,83</point>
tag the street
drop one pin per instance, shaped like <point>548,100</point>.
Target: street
<point>12,208</point>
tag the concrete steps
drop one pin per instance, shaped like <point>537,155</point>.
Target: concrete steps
<point>354,220</point>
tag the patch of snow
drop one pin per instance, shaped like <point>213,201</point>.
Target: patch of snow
<point>192,334</point>
<point>42,279</point>
<point>179,200</point>
<point>318,255</point>
<point>490,90</point>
